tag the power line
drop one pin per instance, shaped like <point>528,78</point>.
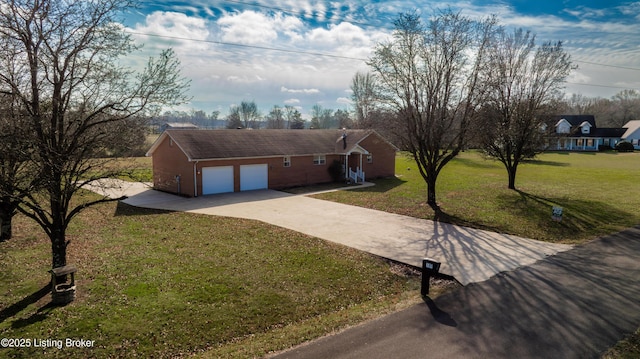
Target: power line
<point>595,85</point>
<point>340,56</point>
<point>249,46</point>
<point>614,66</point>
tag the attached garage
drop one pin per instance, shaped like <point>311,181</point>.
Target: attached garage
<point>203,162</point>
<point>217,179</point>
<point>254,177</point>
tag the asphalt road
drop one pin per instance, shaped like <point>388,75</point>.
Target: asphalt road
<point>575,304</point>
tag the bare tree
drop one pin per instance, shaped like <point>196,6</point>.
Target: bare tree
<point>322,117</point>
<point>522,83</point>
<point>276,118</point>
<point>16,173</point>
<point>74,96</point>
<point>627,104</point>
<point>342,119</point>
<point>365,101</point>
<point>601,108</point>
<point>429,75</point>
<point>249,114</point>
<point>293,117</point>
<point>233,118</point>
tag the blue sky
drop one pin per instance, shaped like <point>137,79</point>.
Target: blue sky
<point>227,47</point>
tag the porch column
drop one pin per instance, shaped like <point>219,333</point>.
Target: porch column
<point>346,166</point>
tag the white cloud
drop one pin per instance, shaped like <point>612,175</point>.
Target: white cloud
<point>291,101</point>
<point>245,79</point>
<point>345,39</point>
<point>344,101</point>
<point>254,28</point>
<point>173,25</point>
<point>301,91</point>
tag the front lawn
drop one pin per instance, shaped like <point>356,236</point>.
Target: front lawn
<point>599,194</point>
<point>163,284</point>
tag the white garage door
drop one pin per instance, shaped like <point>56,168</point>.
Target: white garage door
<point>217,179</point>
<point>254,177</point>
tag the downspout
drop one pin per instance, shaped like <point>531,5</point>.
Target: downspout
<point>195,179</point>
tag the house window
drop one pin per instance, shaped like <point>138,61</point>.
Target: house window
<point>286,161</point>
<point>369,158</point>
<point>319,159</point>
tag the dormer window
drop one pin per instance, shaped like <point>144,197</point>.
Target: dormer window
<point>563,126</point>
<point>586,128</point>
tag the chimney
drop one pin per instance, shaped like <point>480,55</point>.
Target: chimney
<point>344,140</point>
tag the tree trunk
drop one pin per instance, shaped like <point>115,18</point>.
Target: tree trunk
<point>58,249</point>
<point>431,193</point>
<point>512,176</point>
<point>5,224</point>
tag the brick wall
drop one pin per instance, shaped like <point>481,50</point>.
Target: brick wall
<point>169,162</point>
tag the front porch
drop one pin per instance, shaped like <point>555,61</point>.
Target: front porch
<point>353,165</point>
<point>585,143</point>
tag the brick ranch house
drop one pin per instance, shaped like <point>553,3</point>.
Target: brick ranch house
<point>200,162</point>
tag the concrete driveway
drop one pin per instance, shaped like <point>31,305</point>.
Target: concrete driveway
<point>469,255</point>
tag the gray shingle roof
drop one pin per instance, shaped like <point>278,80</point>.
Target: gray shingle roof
<point>218,144</point>
<point>577,120</point>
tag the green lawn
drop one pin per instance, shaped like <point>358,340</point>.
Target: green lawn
<point>599,193</point>
<point>162,284</point>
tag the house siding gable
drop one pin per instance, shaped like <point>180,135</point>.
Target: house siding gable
<point>384,157</point>
<point>172,171</point>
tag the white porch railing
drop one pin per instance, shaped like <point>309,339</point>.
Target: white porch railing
<point>357,175</point>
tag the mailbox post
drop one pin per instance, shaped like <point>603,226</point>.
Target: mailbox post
<point>429,268</point>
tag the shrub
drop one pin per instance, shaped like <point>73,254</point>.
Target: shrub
<point>624,146</point>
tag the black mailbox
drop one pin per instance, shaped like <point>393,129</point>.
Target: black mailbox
<point>429,268</point>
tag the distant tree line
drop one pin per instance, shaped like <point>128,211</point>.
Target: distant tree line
<point>609,112</point>
<point>247,115</point>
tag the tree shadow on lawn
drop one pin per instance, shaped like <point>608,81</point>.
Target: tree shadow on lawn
<point>17,307</point>
<point>474,163</point>
<point>545,163</point>
<point>123,209</point>
<point>579,216</point>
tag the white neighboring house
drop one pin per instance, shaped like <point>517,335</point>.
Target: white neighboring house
<point>580,133</point>
<point>632,133</point>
